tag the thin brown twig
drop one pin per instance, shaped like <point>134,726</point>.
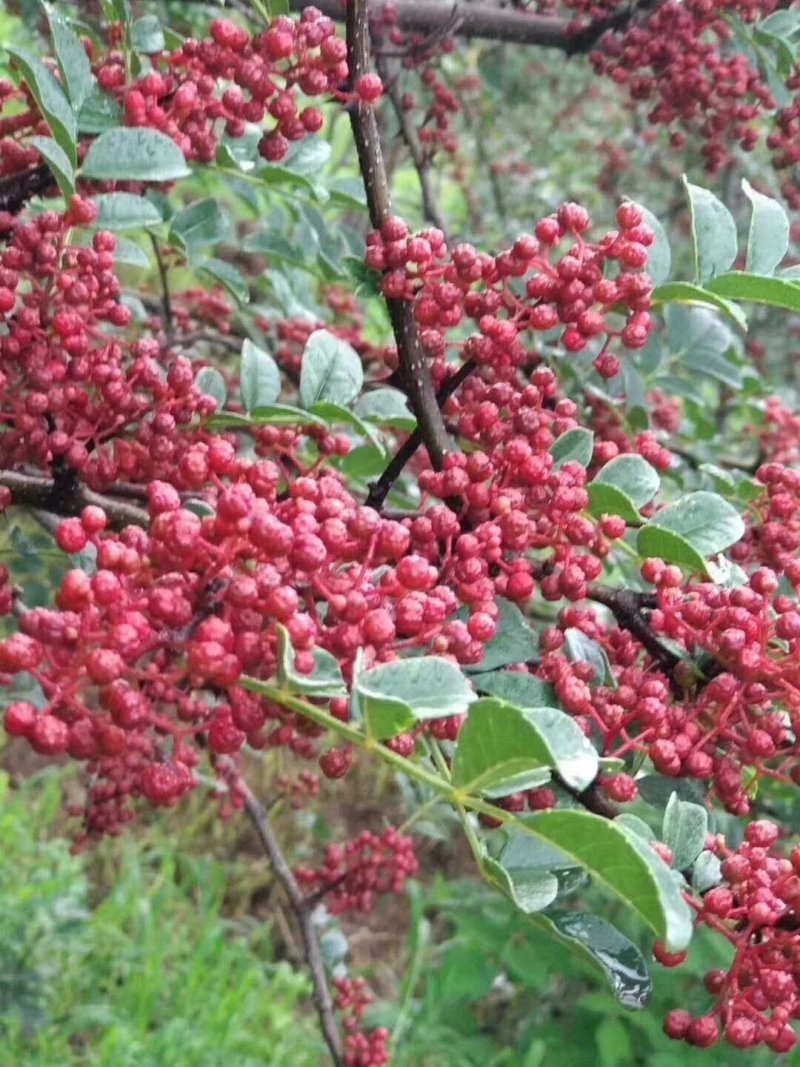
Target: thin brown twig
<point>416,374</point>
<point>323,1001</point>
<point>379,490</point>
<point>163,273</point>
<point>408,131</point>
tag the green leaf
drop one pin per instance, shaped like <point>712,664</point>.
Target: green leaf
<point>58,162</point>
<point>50,99</point>
<point>200,226</point>
<point>620,960</point>
<point>693,295</point>
<point>330,370</point>
<point>608,500</point>
<point>324,681</point>
<point>709,523</point>
<point>131,154</point>
<point>659,256</point>
<point>386,407</point>
<point>259,376</point>
<point>516,687</point>
<point>707,872</point>
<point>633,481</point>
<point>147,35</point>
<point>713,233</point>
<point>657,789</point>
<point>265,415</point>
<point>514,642</point>
<point>701,340</point>
<point>210,381</point>
<point>500,743</point>
<point>582,649</point>
<point>124,211</point>
<point>100,112</point>
<point>335,413</point>
<point>684,831</point>
<point>758,289</point>
<point>73,62</point>
<point>655,542</point>
<point>574,446</point>
<point>530,890</point>
<point>228,277</point>
<point>624,864</point>
<point>768,238</point>
<point>394,696</point>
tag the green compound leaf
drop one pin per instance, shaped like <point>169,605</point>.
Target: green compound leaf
<point>621,961</point>
<point>126,153</point>
<point>260,378</point>
<point>758,289</point>
<point>394,696</point>
<point>330,370</point>
<point>684,831</point>
<point>574,446</point>
<point>582,649</point>
<point>655,542</point>
<point>531,890</point>
<point>324,681</point>
<point>713,233</point>
<point>695,296</point>
<point>147,35</point>
<point>516,687</point>
<point>58,162</point>
<point>124,211</point>
<point>634,476</point>
<point>200,226</point>
<point>228,277</point>
<point>768,238</point>
<point>50,99</point>
<point>501,744</point>
<point>210,381</point>
<point>624,864</point>
<point>514,642</point>
<point>703,521</point>
<point>73,61</point>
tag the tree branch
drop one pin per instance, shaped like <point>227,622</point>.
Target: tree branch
<point>62,498</point>
<point>626,607</point>
<point>413,363</point>
<point>479,20</point>
<point>16,190</point>
<point>302,913</point>
<point>410,135</point>
<point>379,490</point>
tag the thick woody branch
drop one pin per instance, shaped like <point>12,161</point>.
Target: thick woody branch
<point>413,364</point>
<point>18,189</point>
<point>67,498</point>
<point>481,20</point>
<point>301,910</point>
<point>626,607</point>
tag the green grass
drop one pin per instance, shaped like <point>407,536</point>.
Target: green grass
<point>153,975</point>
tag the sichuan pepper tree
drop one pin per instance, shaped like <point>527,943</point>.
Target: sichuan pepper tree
<point>517,519</point>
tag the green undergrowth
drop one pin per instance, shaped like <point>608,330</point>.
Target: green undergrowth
<point>150,972</point>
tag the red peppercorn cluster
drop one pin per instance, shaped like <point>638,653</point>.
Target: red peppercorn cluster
<point>235,79</point>
<point>756,909</point>
<point>369,866</point>
<point>537,285</point>
<point>677,61</point>
<point>74,389</point>
<point>361,1048</point>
